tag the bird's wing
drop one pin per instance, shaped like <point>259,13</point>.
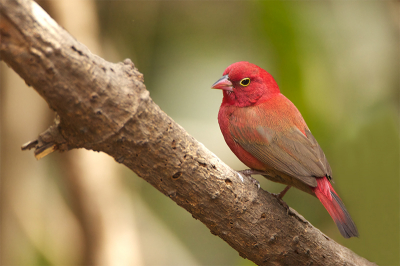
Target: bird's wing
<point>290,152</point>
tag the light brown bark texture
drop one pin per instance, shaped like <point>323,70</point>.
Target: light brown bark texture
<point>105,107</point>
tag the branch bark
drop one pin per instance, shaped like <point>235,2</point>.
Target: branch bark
<point>103,106</point>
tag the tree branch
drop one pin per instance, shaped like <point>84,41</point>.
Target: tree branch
<point>105,107</point>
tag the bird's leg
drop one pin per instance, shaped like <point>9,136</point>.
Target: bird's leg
<point>282,193</point>
<point>249,172</point>
<point>279,196</point>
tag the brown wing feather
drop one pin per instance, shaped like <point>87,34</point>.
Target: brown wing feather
<point>291,153</point>
<point>321,154</point>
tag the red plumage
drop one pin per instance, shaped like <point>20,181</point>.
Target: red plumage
<point>267,133</point>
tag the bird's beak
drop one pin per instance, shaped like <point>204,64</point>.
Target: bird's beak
<point>223,84</point>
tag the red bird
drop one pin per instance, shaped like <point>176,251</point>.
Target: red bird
<point>268,134</point>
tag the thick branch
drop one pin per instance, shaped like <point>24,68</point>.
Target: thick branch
<point>105,107</point>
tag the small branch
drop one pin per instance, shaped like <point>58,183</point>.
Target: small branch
<point>105,107</point>
<point>47,142</point>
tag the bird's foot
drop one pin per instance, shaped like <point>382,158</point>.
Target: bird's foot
<point>255,182</point>
<point>279,197</point>
<point>249,172</point>
<point>280,200</point>
<point>282,193</point>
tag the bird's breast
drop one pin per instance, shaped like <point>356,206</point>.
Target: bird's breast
<point>229,116</point>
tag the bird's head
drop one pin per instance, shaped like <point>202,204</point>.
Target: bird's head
<point>245,84</point>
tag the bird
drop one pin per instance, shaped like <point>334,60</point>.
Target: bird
<point>266,131</point>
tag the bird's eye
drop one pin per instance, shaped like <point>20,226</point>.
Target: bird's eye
<point>245,82</point>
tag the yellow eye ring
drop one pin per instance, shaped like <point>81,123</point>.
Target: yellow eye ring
<point>245,82</point>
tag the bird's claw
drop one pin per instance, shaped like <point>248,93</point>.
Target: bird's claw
<point>255,182</point>
<point>280,195</point>
<point>280,200</point>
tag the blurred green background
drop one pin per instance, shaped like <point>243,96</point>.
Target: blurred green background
<point>337,61</point>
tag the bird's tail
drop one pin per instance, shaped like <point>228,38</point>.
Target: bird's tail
<point>335,207</point>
